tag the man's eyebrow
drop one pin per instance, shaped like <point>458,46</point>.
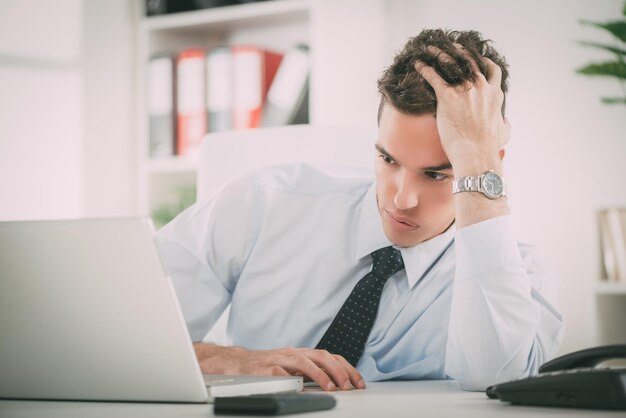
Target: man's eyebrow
<point>440,167</point>
<point>383,151</point>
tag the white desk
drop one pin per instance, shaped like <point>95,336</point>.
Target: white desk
<point>415,399</point>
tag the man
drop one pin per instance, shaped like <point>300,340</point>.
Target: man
<point>416,275</point>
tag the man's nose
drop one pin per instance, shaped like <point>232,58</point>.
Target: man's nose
<point>406,196</point>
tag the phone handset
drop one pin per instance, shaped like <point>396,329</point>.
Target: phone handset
<point>589,357</point>
<point>572,381</point>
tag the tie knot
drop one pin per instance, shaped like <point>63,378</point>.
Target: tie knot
<point>387,262</point>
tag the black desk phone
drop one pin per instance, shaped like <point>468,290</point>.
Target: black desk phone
<point>571,381</point>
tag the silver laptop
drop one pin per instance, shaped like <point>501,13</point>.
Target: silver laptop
<point>88,313</point>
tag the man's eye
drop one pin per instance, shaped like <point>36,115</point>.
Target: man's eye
<point>436,176</point>
<point>387,159</point>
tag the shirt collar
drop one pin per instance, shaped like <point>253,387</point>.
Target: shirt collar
<point>371,237</point>
<point>420,257</point>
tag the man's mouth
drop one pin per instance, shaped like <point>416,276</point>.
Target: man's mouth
<point>401,222</point>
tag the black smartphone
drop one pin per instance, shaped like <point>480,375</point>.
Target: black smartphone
<point>274,404</point>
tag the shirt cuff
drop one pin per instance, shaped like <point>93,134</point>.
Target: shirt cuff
<point>485,246</point>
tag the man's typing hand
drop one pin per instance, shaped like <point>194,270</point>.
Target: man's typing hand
<point>330,372</point>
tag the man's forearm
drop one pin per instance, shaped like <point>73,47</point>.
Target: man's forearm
<point>472,208</point>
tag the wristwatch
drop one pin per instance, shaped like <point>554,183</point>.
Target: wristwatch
<point>488,183</point>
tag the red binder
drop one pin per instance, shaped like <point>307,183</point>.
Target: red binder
<point>191,102</point>
<point>254,70</point>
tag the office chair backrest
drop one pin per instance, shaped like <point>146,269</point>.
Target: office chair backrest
<point>226,155</point>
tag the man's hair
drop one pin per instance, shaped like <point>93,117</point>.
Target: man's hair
<point>406,90</point>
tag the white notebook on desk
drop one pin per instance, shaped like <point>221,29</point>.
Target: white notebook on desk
<point>87,312</point>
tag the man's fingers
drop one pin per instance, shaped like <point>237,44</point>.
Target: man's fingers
<point>442,55</point>
<point>329,371</point>
<point>333,367</point>
<point>430,75</point>
<point>494,71</point>
<point>278,371</point>
<point>355,376</point>
<point>475,69</point>
<point>303,365</point>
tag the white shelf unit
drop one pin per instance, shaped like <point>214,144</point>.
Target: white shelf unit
<point>229,17</point>
<point>273,24</point>
<point>348,51</point>
<point>609,288</point>
<point>348,46</point>
<point>611,310</point>
<point>610,294</point>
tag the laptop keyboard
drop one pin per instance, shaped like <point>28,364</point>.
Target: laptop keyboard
<point>212,380</point>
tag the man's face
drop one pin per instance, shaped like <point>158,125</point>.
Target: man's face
<point>413,178</point>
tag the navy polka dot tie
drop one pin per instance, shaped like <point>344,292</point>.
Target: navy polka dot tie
<point>351,327</point>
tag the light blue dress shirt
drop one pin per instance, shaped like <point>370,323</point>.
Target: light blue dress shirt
<point>286,245</point>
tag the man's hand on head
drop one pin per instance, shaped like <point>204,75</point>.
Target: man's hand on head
<point>329,371</point>
<point>473,132</point>
<point>469,117</point>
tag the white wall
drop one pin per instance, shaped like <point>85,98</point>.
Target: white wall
<point>566,156</point>
<point>66,108</point>
<point>349,40</point>
<point>109,146</point>
<point>40,112</point>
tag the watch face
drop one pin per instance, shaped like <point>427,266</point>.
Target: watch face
<point>492,185</point>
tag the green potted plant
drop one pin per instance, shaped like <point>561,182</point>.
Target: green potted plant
<point>181,198</point>
<point>615,68</point>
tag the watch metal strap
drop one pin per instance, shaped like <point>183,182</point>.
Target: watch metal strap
<point>466,184</point>
<point>473,184</point>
